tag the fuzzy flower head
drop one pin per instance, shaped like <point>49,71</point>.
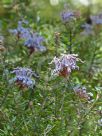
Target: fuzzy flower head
<point>20,31</point>
<point>67,16</point>
<point>81,92</point>
<point>65,64</point>
<point>34,43</point>
<point>23,77</point>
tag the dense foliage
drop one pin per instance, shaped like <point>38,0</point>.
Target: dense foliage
<point>50,68</point>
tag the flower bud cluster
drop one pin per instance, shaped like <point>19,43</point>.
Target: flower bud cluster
<point>81,92</point>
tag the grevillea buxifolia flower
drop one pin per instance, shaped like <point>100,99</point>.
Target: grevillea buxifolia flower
<point>34,42</point>
<point>20,31</point>
<point>65,64</point>
<point>97,19</point>
<point>81,92</point>
<point>88,29</point>
<point>23,77</point>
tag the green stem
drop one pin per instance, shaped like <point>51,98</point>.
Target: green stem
<point>70,40</point>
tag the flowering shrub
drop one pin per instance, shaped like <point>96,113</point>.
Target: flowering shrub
<point>53,106</point>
